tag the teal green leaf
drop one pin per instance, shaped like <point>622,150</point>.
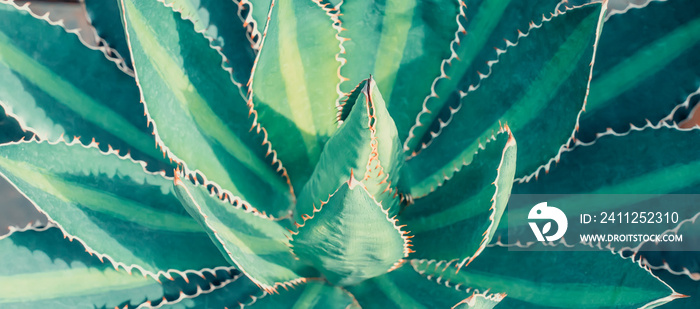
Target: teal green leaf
<point>199,115</point>
<point>684,285</point>
<point>483,27</point>
<point>349,237</point>
<point>350,100</point>
<point>256,19</point>
<point>366,145</point>
<point>675,262</point>
<point>537,87</point>
<point>104,16</point>
<point>227,294</point>
<point>10,130</point>
<point>257,245</point>
<point>111,204</point>
<point>401,43</point>
<point>646,64</point>
<point>659,159</point>
<point>555,278</point>
<point>42,269</point>
<point>458,219</point>
<point>219,21</point>
<point>294,84</point>
<point>55,86</point>
<point>405,288</point>
<point>313,294</point>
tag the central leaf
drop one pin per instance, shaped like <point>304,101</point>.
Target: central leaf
<point>366,144</point>
<point>350,238</point>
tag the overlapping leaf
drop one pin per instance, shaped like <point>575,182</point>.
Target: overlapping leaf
<point>405,288</point>
<point>458,219</point>
<point>111,204</point>
<point>549,277</point>
<point>349,237</point>
<point>105,18</point>
<point>484,27</point>
<point>537,87</point>
<point>677,263</point>
<point>294,84</point>
<point>199,115</point>
<point>366,145</point>
<point>10,130</point>
<point>402,44</point>
<point>220,21</point>
<point>257,245</point>
<point>650,160</point>
<point>228,294</point>
<point>314,294</point>
<point>72,90</point>
<point>646,64</point>
<point>42,269</point>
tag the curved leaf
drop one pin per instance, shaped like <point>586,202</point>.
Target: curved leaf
<point>458,219</point>
<point>218,21</point>
<point>294,84</point>
<point>199,115</point>
<point>366,144</point>
<point>402,44</point>
<point>105,18</point>
<point>256,18</point>
<point>228,294</point>
<point>314,294</point>
<point>672,258</point>
<point>10,130</point>
<point>257,245</point>
<point>553,278</point>
<point>647,63</point>
<point>658,159</point>
<point>537,87</point>
<point>684,285</point>
<point>42,269</point>
<point>54,85</point>
<point>111,205</point>
<point>485,26</point>
<point>405,288</point>
<point>350,238</point>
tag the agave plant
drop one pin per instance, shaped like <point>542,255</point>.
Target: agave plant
<point>307,153</point>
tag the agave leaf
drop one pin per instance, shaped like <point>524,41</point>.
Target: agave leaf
<point>227,294</point>
<point>458,219</point>
<point>256,19</point>
<point>677,267</point>
<point>484,26</point>
<point>199,115</point>
<point>647,63</point>
<point>10,130</point>
<point>54,85</point>
<point>105,18</point>
<point>553,278</point>
<point>684,285</point>
<point>537,87</point>
<point>294,84</point>
<point>350,100</point>
<point>257,245</point>
<point>402,44</point>
<point>405,288</point>
<point>218,21</point>
<point>665,162</point>
<point>366,145</point>
<point>350,237</point>
<point>313,294</point>
<point>43,269</point>
<point>96,197</point>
